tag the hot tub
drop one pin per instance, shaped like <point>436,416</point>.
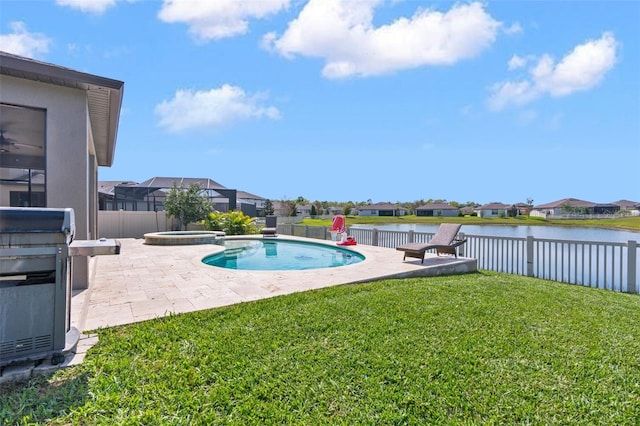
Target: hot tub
<point>183,238</point>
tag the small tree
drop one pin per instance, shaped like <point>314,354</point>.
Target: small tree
<point>346,209</point>
<point>319,209</point>
<point>291,208</point>
<point>187,205</point>
<point>268,207</point>
<point>529,205</point>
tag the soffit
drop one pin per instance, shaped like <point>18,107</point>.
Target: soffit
<point>104,96</point>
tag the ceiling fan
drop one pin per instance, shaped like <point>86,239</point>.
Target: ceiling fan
<point>10,144</point>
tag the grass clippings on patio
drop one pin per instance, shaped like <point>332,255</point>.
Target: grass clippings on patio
<point>484,348</point>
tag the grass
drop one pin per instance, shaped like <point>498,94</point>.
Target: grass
<point>483,348</point>
<point>621,223</point>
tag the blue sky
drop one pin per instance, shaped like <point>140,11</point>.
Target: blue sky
<point>361,100</point>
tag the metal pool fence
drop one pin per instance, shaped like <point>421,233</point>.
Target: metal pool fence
<point>604,265</point>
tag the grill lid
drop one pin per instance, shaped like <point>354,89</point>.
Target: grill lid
<point>30,219</point>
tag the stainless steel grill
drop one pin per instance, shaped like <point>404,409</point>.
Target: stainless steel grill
<point>36,250</point>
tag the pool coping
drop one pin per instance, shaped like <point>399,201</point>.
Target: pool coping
<point>301,241</point>
<point>180,238</point>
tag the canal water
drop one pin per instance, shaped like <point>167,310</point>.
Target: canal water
<point>519,231</point>
<point>588,267</point>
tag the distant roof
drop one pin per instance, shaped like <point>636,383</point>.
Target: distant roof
<point>167,182</point>
<point>626,203</point>
<point>106,186</point>
<point>437,206</point>
<point>573,202</point>
<point>132,190</point>
<point>380,206</point>
<point>104,96</point>
<point>493,206</point>
<point>34,177</point>
<point>248,196</point>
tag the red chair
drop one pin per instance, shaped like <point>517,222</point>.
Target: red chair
<point>338,226</point>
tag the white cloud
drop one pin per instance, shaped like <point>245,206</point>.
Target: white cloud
<point>517,62</point>
<point>512,92</point>
<point>342,33</point>
<point>88,6</point>
<point>208,109</point>
<point>216,19</point>
<point>581,69</point>
<point>514,28</point>
<point>24,43</point>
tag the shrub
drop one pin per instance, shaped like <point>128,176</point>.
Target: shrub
<point>231,223</point>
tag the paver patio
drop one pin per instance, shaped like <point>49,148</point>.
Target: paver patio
<point>149,281</point>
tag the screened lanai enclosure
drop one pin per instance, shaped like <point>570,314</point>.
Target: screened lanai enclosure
<point>151,194</point>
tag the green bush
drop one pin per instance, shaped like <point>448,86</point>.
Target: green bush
<point>231,223</point>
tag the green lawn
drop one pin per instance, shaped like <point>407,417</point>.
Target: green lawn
<point>482,348</point>
<point>622,223</point>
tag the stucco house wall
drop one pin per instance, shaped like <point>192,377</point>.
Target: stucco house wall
<point>493,210</point>
<point>367,212</point>
<point>71,151</point>
<point>68,165</point>
<point>391,211</point>
<point>437,209</point>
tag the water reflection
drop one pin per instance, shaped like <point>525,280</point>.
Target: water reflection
<point>591,257</point>
<point>519,231</point>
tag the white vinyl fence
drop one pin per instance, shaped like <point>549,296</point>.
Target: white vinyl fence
<point>131,224</point>
<point>134,224</point>
<point>605,265</point>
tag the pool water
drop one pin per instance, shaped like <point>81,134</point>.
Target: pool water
<point>276,255</point>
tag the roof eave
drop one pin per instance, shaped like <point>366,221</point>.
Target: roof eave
<point>104,97</point>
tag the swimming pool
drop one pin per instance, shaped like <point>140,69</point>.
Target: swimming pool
<point>277,254</point>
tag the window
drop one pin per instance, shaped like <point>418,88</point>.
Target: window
<point>22,156</point>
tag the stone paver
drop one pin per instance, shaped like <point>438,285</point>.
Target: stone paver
<point>147,281</point>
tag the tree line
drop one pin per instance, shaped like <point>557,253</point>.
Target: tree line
<point>319,208</point>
